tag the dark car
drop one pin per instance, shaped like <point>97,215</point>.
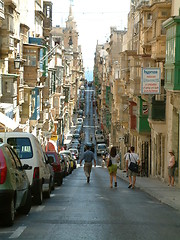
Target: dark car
<point>80,113</point>
<point>77,136</point>
<point>15,192</point>
<point>55,161</point>
<point>90,145</point>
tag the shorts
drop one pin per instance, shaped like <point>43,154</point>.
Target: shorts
<point>131,173</point>
<point>112,169</point>
<point>171,171</point>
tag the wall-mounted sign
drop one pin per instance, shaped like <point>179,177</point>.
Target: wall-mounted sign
<point>151,81</point>
<point>145,108</point>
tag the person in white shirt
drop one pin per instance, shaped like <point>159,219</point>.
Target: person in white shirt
<point>126,156</point>
<point>132,157</point>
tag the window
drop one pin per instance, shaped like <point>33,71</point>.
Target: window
<point>149,16</point>
<point>30,56</point>
<point>30,61</point>
<point>48,12</point>
<point>16,159</point>
<point>22,146</point>
<point>7,87</point>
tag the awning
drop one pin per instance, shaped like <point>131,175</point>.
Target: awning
<point>7,122</point>
<point>51,146</point>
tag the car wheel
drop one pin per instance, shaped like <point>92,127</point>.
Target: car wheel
<point>38,198</point>
<point>53,186</point>
<point>48,193</point>
<point>27,206</point>
<point>9,218</point>
<point>59,181</point>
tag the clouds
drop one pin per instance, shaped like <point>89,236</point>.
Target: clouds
<point>94,19</point>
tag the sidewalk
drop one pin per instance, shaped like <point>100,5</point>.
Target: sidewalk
<point>157,189</point>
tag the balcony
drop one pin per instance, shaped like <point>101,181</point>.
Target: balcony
<point>142,117</point>
<point>2,17</point>
<point>6,45</point>
<point>12,3</point>
<point>157,110</point>
<point>159,49</point>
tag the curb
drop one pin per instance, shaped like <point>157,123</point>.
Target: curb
<point>165,195</point>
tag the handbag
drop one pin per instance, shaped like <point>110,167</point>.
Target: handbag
<point>110,162</point>
<point>133,166</point>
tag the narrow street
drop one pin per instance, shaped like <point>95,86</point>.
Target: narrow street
<point>78,210</point>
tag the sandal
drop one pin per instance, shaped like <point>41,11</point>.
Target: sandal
<point>130,185</point>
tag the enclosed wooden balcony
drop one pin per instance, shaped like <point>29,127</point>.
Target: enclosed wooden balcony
<point>157,110</point>
<point>2,17</point>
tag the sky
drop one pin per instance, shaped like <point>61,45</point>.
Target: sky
<point>94,19</point>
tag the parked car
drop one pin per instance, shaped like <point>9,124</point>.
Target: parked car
<point>30,152</point>
<point>98,132</point>
<point>74,151</point>
<point>55,161</point>
<point>67,162</point>
<point>76,141</point>
<point>15,191</point>
<point>100,139</point>
<point>101,148</point>
<point>73,161</point>
<point>68,139</point>
<point>80,113</point>
<point>77,136</point>
<point>79,121</point>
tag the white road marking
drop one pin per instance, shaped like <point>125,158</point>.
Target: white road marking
<point>39,208</point>
<point>18,232</point>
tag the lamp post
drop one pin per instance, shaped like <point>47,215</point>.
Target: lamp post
<point>17,62</point>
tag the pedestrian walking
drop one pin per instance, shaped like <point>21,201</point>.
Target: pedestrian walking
<point>112,160</point>
<point>133,157</point>
<point>171,168</point>
<point>88,157</point>
<point>126,157</point>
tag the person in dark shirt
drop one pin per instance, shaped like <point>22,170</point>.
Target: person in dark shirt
<point>88,157</point>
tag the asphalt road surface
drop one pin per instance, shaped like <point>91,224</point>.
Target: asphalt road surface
<point>78,210</point>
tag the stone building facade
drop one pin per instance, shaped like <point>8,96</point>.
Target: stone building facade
<point>150,122</point>
<point>39,94</point>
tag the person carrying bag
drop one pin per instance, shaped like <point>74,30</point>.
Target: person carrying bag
<point>113,158</point>
<point>132,165</point>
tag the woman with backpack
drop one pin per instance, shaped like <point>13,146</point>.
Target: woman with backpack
<point>112,160</point>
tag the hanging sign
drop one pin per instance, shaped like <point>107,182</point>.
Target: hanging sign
<point>151,81</point>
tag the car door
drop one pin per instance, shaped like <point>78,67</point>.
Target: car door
<point>43,166</point>
<point>21,180</point>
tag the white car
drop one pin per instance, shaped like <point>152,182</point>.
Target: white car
<point>79,121</point>
<point>30,152</point>
<point>75,151</point>
<point>100,138</point>
<point>68,139</point>
<point>101,148</point>
<point>98,132</point>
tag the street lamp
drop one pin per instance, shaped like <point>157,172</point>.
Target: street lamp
<point>17,62</point>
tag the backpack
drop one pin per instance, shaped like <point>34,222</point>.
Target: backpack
<point>176,164</point>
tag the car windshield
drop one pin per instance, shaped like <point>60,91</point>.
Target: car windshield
<point>98,132</point>
<point>101,147</point>
<point>22,147</point>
